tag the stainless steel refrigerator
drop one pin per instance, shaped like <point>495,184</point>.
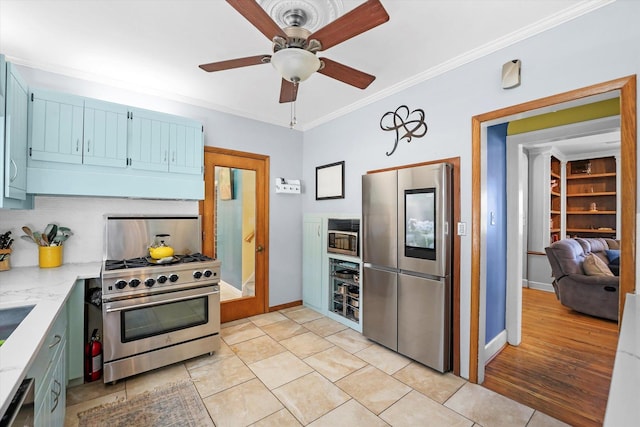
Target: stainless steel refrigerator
<point>406,284</point>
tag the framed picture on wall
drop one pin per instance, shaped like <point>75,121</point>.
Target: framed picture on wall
<point>330,181</point>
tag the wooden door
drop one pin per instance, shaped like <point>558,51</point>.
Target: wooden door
<point>235,224</point>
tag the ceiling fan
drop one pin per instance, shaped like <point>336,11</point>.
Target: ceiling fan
<point>294,47</point>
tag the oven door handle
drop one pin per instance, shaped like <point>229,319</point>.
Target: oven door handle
<point>109,308</point>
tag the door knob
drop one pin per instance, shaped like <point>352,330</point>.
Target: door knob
<point>259,248</point>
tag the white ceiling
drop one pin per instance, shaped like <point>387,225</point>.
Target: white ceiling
<point>155,47</point>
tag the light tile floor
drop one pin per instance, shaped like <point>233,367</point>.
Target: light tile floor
<point>297,367</point>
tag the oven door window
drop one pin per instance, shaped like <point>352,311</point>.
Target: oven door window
<point>145,322</point>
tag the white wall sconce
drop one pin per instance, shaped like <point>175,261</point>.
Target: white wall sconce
<point>511,74</point>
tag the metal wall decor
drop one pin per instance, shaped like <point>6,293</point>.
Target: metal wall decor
<point>402,120</point>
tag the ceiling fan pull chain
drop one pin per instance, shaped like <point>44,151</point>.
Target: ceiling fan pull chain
<point>294,119</point>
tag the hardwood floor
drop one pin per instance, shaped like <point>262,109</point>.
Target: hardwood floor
<point>563,365</point>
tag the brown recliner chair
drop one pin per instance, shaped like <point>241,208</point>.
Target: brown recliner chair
<point>593,295</point>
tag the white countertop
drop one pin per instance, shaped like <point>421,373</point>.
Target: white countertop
<point>623,408</point>
<point>48,289</point>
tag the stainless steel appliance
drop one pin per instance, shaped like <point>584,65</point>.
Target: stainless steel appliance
<point>21,410</point>
<point>156,311</point>
<point>343,236</point>
<point>406,250</point>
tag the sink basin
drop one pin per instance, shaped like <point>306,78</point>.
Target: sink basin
<point>11,317</point>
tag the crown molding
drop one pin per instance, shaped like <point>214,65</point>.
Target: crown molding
<point>484,50</point>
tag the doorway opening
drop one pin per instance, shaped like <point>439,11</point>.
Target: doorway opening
<point>235,218</point>
<point>556,360</point>
<point>627,90</point>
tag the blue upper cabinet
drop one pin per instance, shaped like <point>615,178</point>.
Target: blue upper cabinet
<point>105,134</point>
<point>162,142</point>
<point>56,127</point>
<point>72,129</point>
<point>14,96</point>
<point>86,147</point>
<point>16,135</point>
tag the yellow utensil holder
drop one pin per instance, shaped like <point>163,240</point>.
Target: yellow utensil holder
<point>50,256</point>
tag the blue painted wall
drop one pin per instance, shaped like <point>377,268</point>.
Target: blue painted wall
<point>496,230</point>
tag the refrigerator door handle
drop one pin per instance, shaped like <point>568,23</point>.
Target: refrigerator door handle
<point>422,275</point>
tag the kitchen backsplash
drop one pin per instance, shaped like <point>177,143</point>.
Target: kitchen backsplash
<point>85,217</point>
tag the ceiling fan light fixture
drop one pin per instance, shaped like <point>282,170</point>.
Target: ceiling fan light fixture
<point>294,64</point>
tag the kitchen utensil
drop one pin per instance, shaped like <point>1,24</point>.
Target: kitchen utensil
<point>29,233</point>
<point>45,239</point>
<point>50,231</point>
<point>28,239</point>
<point>62,234</point>
<point>37,237</point>
<point>5,240</point>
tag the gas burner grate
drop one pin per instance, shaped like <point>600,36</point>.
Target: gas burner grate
<point>120,264</point>
<point>197,257</point>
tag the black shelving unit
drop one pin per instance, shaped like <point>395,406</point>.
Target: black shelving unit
<point>344,283</point>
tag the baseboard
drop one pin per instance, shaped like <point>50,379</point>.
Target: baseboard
<point>494,346</point>
<point>286,305</point>
<point>548,287</point>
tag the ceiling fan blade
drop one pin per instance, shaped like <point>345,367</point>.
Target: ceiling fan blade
<point>288,91</point>
<point>345,74</point>
<point>235,63</point>
<point>363,18</point>
<point>260,19</point>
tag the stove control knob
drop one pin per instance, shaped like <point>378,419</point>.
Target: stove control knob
<point>208,273</point>
<point>197,274</point>
<point>121,284</point>
<point>134,283</point>
<point>162,279</point>
<point>149,282</point>
<point>173,278</point>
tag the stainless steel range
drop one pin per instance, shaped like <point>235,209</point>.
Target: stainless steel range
<point>156,311</point>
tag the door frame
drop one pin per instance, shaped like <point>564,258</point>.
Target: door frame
<point>628,150</point>
<point>246,306</point>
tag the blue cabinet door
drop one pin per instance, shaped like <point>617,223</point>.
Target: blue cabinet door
<point>17,99</point>
<point>162,142</point>
<point>56,127</point>
<point>313,287</point>
<point>186,147</point>
<point>149,143</point>
<point>105,134</point>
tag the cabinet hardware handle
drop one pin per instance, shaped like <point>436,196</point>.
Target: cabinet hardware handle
<point>8,138</point>
<point>77,144</point>
<point>173,157</point>
<point>56,394</point>
<point>165,156</point>
<point>318,231</point>
<point>114,308</point>
<point>88,145</point>
<point>15,175</point>
<point>58,338</point>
